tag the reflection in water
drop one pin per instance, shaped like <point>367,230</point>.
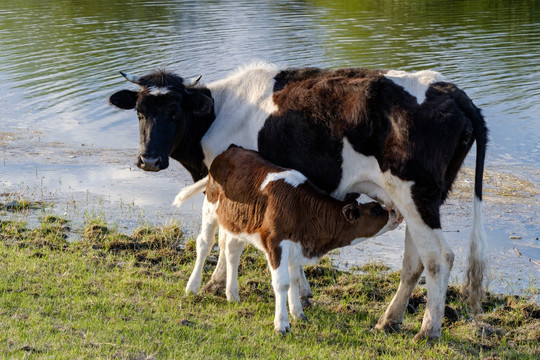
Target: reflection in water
<point>61,58</point>
<point>59,62</point>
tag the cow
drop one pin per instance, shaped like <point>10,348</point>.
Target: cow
<point>396,136</point>
<point>282,214</point>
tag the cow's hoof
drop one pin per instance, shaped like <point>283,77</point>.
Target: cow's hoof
<point>424,335</point>
<point>388,327</point>
<point>191,290</point>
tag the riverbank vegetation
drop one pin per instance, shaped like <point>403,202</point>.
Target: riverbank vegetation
<point>111,295</point>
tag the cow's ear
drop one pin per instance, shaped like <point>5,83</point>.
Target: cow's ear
<point>351,213</point>
<point>199,103</point>
<point>124,99</point>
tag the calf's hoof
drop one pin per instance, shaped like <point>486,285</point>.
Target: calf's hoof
<point>214,287</point>
<point>306,301</point>
<point>283,331</point>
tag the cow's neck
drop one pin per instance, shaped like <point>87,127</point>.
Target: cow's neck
<point>188,150</point>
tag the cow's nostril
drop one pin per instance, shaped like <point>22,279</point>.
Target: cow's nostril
<point>149,164</point>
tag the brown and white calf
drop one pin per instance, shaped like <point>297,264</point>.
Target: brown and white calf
<point>281,213</point>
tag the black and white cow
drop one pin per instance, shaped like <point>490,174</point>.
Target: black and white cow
<point>398,137</point>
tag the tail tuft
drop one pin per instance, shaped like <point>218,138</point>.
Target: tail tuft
<point>190,191</point>
<point>477,272</point>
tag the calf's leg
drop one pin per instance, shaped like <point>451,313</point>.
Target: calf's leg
<point>205,242</point>
<point>281,284</point>
<point>233,250</point>
<point>219,277</point>
<point>295,305</point>
<point>305,291</point>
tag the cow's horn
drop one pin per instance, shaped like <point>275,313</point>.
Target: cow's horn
<point>131,78</point>
<point>192,81</point>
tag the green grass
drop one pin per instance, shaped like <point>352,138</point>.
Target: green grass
<point>116,296</point>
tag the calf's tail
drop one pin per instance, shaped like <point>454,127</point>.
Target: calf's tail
<point>190,191</point>
<point>477,271</point>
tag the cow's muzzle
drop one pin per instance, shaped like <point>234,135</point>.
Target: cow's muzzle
<point>151,163</point>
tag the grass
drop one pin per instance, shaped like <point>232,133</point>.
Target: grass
<point>111,295</point>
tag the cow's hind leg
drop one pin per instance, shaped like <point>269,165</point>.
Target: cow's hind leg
<point>438,260</point>
<point>410,273</point>
<point>205,242</point>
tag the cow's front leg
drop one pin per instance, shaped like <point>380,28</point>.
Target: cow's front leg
<point>410,273</point>
<point>218,280</point>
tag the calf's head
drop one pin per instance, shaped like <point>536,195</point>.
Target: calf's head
<point>368,220</point>
<point>166,106</point>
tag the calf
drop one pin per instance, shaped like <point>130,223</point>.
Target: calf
<point>282,214</point>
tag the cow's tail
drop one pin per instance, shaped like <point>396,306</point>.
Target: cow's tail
<point>190,191</point>
<point>477,271</point>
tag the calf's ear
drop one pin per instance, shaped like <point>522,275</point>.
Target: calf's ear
<point>199,103</point>
<point>351,213</point>
<point>124,99</point>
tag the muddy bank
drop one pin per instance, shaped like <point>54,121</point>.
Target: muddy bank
<point>81,181</point>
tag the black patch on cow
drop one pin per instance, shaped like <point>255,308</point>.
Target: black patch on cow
<point>424,143</point>
<point>292,142</point>
<point>187,147</point>
<point>124,99</point>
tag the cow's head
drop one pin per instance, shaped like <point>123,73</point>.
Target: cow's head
<point>167,105</point>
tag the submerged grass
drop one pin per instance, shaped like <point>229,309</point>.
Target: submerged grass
<point>111,295</point>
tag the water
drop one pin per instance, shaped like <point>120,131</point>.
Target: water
<point>59,62</point>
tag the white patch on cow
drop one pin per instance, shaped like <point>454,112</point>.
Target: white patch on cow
<point>242,102</point>
<point>291,177</point>
<point>156,91</point>
<point>415,83</point>
<point>360,173</point>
